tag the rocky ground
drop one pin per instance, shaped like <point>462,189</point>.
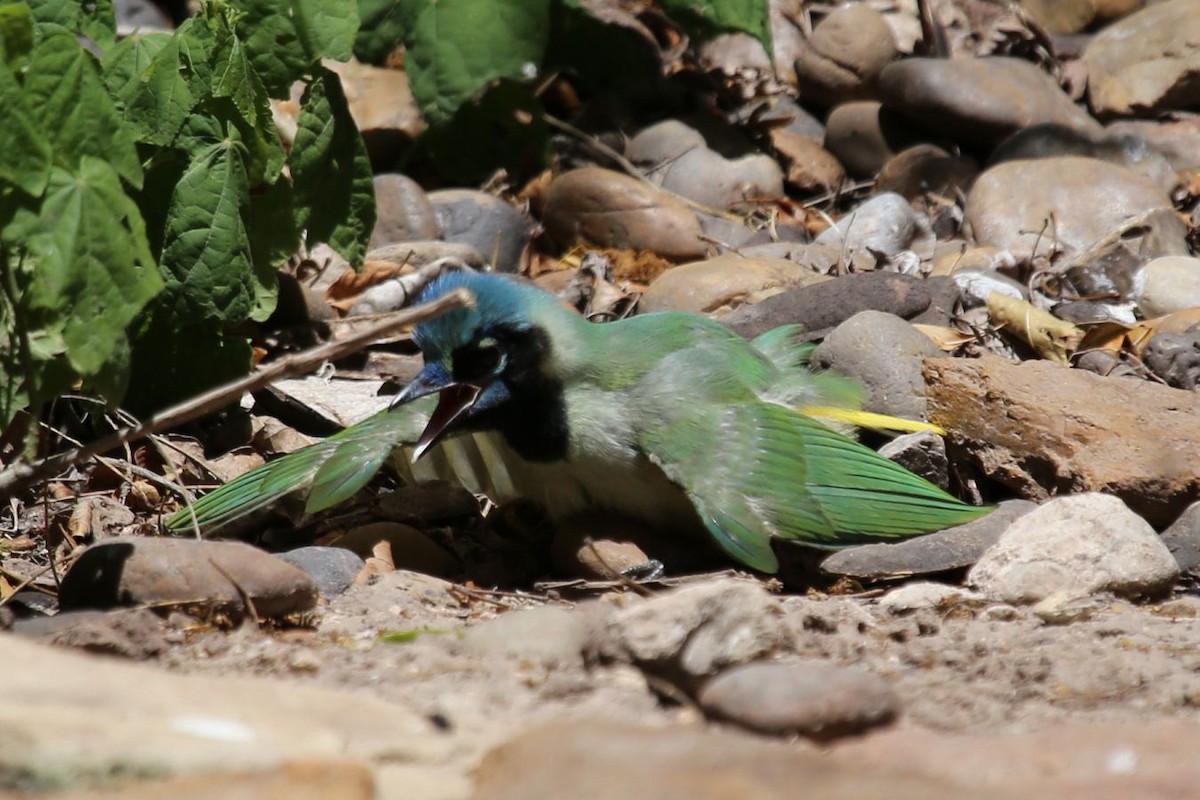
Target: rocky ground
<point>1002,242</point>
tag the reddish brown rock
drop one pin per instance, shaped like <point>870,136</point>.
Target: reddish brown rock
<point>140,570</point>
<point>724,282</point>
<point>1044,430</point>
<point>609,209</point>
<point>810,167</point>
<point>606,761</point>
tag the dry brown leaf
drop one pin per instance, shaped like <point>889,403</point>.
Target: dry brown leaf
<point>6,589</point>
<point>1052,338</point>
<point>379,563</point>
<point>946,338</point>
<point>1120,337</point>
<point>346,289</point>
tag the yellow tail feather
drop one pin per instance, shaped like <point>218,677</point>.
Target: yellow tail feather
<point>865,419</point>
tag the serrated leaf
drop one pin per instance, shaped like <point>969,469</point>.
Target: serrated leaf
<point>704,19</point>
<point>379,30</point>
<point>287,39</point>
<point>206,252</point>
<point>127,59</point>
<point>92,18</point>
<point>16,33</point>
<point>246,105</point>
<point>335,194</point>
<point>24,151</point>
<point>93,269</point>
<point>196,40</point>
<point>157,99</point>
<point>457,47</point>
<point>274,238</point>
<point>327,27</point>
<point>70,104</point>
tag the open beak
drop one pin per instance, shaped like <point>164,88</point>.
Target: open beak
<point>454,400</point>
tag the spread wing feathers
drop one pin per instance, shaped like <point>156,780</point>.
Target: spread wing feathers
<point>335,469</point>
<point>757,470</point>
<point>797,383</point>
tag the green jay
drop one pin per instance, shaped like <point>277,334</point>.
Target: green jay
<point>670,418</point>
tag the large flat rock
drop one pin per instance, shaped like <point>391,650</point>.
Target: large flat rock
<point>1045,430</point>
<point>74,722</point>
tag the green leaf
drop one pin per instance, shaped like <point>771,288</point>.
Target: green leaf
<point>704,19</point>
<point>327,27</point>
<point>93,271</point>
<point>16,33</point>
<point>70,104</point>
<point>157,100</point>
<point>235,81</point>
<point>288,38</point>
<point>335,194</point>
<point>206,251</point>
<point>92,18</point>
<point>412,634</point>
<point>457,47</point>
<point>274,238</point>
<point>129,58</point>
<point>379,31</point>
<point>24,151</point>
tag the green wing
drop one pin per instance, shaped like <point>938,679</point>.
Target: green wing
<point>755,470</point>
<point>332,470</point>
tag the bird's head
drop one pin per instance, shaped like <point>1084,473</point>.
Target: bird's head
<point>478,359</point>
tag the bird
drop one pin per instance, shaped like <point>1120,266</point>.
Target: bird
<point>669,418</point>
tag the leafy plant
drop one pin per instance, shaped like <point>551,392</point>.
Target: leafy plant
<point>146,200</point>
<point>473,65</point>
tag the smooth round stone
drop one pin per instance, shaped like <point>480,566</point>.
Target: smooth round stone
<point>677,157</point>
<point>1045,141</point>
<point>723,283</point>
<point>610,209</point>
<point>1075,545</point>
<point>864,135</point>
<point>814,699</point>
<point>137,570</point>
<point>493,227</point>
<point>943,551</point>
<point>884,224</point>
<point>882,352</point>
<point>1168,284</point>
<point>1061,16</point>
<point>1177,139</point>
<point>924,169</point>
<point>333,568</point>
<point>402,211</point>
<point>844,56</point>
<point>977,101</point>
<point>1175,357</point>
<point>1010,204</point>
<point>1148,61</point>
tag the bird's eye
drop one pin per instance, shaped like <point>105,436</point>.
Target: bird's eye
<point>478,361</point>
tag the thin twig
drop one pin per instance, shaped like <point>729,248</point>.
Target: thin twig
<point>20,476</point>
